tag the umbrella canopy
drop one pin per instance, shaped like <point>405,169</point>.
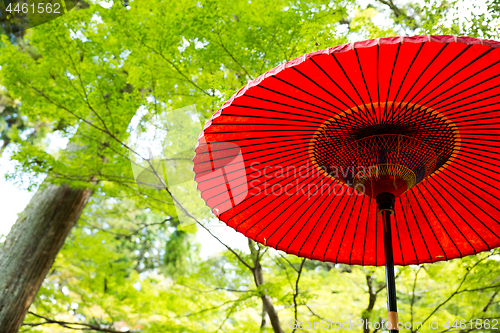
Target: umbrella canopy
<point>297,157</point>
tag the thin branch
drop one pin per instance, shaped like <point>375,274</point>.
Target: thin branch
<point>232,57</point>
<point>70,325</point>
<point>413,293</point>
<point>217,306</point>
<point>456,292</point>
<point>217,289</point>
<point>478,289</point>
<point>176,68</point>
<point>296,292</point>
<point>288,261</point>
<point>312,312</point>
<point>492,298</point>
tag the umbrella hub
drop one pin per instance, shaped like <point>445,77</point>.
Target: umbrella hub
<point>385,148</point>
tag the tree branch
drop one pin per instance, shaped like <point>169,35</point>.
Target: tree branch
<point>296,291</point>
<point>70,325</point>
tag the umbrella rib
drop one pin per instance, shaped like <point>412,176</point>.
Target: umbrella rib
<point>437,74</point>
<point>482,144</point>
<point>458,214</point>
<point>264,197</point>
<point>267,196</point>
<point>378,89</point>
<point>285,219</point>
<point>376,239</point>
<point>320,120</point>
<point>477,196</point>
<point>403,81</point>
<point>390,82</point>
<point>314,82</point>
<point>355,229</point>
<point>399,239</point>
<point>297,99</point>
<point>433,106</point>
<point>423,72</point>
<point>294,127</point>
<point>366,87</point>
<point>464,80</point>
<point>459,83</point>
<point>290,105</point>
<point>249,159</point>
<point>464,158</point>
<point>446,213</point>
<point>352,85</point>
<point>244,176</point>
<point>471,102</point>
<point>474,215</point>
<point>428,223</point>
<point>452,114</point>
<point>408,229</point>
<point>334,230</point>
<point>326,225</point>
<point>334,82</point>
<point>306,136</point>
<point>298,219</point>
<point>315,224</point>
<point>438,220</point>
<point>300,165</point>
<point>305,141</point>
<point>251,188</point>
<point>463,150</point>
<point>366,227</point>
<point>473,170</point>
<point>306,92</point>
<point>272,234</point>
<point>476,128</point>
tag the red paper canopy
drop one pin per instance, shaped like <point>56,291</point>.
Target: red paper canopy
<point>280,160</point>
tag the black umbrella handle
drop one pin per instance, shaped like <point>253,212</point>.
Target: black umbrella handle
<point>385,204</point>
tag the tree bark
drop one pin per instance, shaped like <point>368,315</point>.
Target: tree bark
<point>267,302</point>
<point>371,303</point>
<point>32,246</point>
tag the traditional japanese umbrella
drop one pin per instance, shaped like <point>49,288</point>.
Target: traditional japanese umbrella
<point>314,157</point>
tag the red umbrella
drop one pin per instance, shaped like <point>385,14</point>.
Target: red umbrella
<point>303,157</point>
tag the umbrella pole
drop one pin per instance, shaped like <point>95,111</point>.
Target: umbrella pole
<point>385,205</point>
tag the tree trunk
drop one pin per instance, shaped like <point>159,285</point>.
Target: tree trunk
<point>267,302</point>
<point>31,248</point>
<point>371,303</point>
